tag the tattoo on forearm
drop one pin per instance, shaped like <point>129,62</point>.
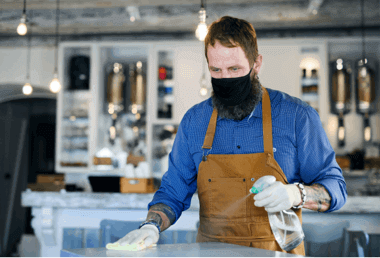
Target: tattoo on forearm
<point>317,198</point>
<point>162,214</point>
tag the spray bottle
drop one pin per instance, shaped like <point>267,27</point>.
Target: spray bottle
<point>285,224</point>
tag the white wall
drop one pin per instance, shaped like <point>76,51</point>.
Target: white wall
<point>13,64</point>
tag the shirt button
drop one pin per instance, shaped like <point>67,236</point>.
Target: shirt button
<point>238,146</point>
<point>209,180</point>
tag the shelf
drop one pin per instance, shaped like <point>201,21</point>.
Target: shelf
<point>310,97</point>
<point>75,137</point>
<point>75,150</point>
<point>306,82</point>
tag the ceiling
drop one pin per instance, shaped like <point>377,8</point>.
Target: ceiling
<point>169,16</point>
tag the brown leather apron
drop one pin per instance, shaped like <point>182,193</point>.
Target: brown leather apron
<point>226,213</point>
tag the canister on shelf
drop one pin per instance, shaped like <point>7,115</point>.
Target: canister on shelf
<point>138,87</point>
<point>115,97</point>
<point>340,88</point>
<point>115,89</point>
<point>366,93</point>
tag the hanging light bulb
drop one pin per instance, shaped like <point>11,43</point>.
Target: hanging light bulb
<point>27,89</point>
<point>55,85</point>
<point>202,29</point>
<point>21,28</point>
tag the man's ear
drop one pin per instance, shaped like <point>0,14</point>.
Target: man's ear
<point>257,64</point>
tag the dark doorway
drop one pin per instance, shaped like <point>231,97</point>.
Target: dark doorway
<point>27,148</point>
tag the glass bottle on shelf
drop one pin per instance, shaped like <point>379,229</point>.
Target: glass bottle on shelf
<point>165,85</point>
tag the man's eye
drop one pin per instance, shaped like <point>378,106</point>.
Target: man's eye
<point>235,68</point>
<point>215,70</point>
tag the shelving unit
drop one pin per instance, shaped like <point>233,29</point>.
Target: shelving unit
<point>131,127</point>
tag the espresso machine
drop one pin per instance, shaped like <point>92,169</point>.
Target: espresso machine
<point>340,88</point>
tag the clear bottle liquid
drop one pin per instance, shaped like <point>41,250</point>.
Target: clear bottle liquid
<point>285,225</point>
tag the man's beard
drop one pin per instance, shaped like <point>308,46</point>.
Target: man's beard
<point>240,111</point>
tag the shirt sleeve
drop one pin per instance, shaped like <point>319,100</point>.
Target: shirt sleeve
<point>179,183</point>
<point>317,158</point>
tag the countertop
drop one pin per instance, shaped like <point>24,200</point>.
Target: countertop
<point>63,199</point>
<point>175,250</point>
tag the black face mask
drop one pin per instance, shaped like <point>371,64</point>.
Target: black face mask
<point>232,91</point>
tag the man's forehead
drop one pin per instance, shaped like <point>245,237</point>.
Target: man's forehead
<point>225,54</point>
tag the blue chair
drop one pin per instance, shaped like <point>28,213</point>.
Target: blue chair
<point>361,243</point>
<point>113,230</point>
<point>326,239</point>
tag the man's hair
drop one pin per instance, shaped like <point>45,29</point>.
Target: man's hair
<point>233,32</point>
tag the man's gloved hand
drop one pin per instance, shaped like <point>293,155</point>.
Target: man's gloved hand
<point>137,239</point>
<point>278,197</point>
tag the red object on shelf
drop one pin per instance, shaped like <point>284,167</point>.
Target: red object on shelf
<point>162,73</point>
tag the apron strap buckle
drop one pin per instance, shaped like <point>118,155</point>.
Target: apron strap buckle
<point>204,157</point>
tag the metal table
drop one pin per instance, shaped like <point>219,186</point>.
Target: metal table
<point>173,250</point>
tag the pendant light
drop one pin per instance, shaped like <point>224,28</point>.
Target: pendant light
<point>21,28</point>
<point>202,30</point>
<point>55,85</point>
<point>27,89</point>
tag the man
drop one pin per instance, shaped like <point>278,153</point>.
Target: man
<point>243,132</point>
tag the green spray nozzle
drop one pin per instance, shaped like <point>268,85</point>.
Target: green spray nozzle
<point>262,183</point>
<point>256,190</point>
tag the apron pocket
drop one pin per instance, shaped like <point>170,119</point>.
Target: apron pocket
<point>227,198</point>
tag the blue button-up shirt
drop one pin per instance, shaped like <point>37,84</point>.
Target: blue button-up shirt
<point>300,146</point>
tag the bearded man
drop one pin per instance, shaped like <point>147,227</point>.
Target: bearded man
<point>227,142</point>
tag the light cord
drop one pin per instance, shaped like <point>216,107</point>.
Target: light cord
<point>28,56</point>
<point>56,38</point>
<point>24,10</point>
<point>362,25</point>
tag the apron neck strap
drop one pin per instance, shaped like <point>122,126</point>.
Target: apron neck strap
<point>209,138</point>
<point>267,125</point>
<point>267,122</point>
